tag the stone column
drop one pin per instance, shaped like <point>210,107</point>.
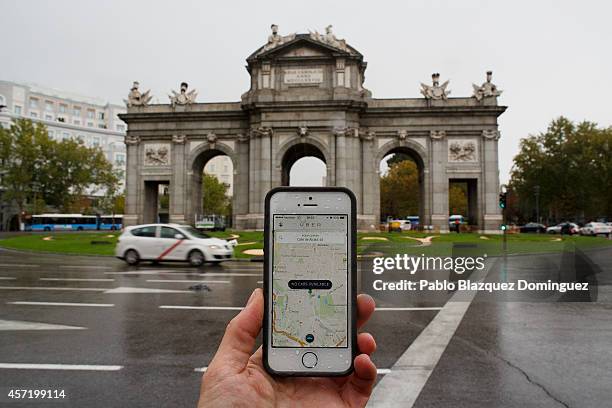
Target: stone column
<point>370,194</point>
<point>341,159</point>
<point>179,181</point>
<point>260,170</point>
<point>491,213</point>
<point>241,181</point>
<point>439,181</point>
<point>132,176</point>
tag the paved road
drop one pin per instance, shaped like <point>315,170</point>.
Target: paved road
<point>136,348</point>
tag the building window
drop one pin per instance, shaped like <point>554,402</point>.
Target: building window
<point>96,141</point>
<point>120,159</point>
<point>100,115</point>
<point>90,114</point>
<point>49,106</point>
<point>120,128</point>
<point>76,111</point>
<point>48,117</point>
<point>212,168</point>
<point>51,134</point>
<point>101,125</point>
<point>66,136</point>
<point>225,168</point>
<point>81,138</point>
<point>77,122</point>
<point>18,110</point>
<point>33,103</point>
<point>62,108</point>
<point>2,100</point>
<point>89,124</point>
<point>34,114</point>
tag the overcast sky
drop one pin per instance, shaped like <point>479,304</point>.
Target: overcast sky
<point>551,58</point>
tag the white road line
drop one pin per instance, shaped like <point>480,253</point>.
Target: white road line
<point>13,325</point>
<point>51,288</point>
<point>79,367</point>
<point>259,282</point>
<point>169,272</point>
<point>20,265</point>
<point>202,307</point>
<point>409,374</point>
<point>84,267</point>
<point>7,278</point>
<point>380,371</point>
<point>61,304</point>
<point>78,279</point>
<point>185,281</point>
<point>405,309</point>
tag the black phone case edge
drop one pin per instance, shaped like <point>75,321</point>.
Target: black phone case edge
<point>353,281</point>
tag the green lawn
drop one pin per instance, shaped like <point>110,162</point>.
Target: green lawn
<point>103,243</point>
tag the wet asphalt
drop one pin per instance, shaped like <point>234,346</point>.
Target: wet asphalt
<point>545,350</point>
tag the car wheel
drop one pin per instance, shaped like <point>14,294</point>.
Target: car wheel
<point>131,257</point>
<point>80,229</point>
<point>196,258</point>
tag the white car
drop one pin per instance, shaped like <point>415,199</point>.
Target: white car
<point>171,242</point>
<point>556,229</point>
<point>595,228</point>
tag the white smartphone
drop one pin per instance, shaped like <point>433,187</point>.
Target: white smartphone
<point>310,281</point>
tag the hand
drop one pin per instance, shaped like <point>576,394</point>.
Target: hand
<point>237,378</point>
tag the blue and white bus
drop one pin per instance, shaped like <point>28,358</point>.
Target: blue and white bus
<point>111,222</point>
<point>73,222</point>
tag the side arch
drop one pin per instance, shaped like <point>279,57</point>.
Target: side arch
<point>297,148</point>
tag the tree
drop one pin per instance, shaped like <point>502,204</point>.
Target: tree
<point>457,199</point>
<point>24,149</point>
<point>570,165</point>
<point>215,200</point>
<point>37,169</point>
<point>399,190</point>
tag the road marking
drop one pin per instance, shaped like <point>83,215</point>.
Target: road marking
<point>259,282</point>
<point>202,307</point>
<point>380,371</point>
<point>20,265</point>
<point>7,278</point>
<point>185,281</point>
<point>78,279</point>
<point>405,309</point>
<point>164,272</point>
<point>51,288</point>
<point>409,374</point>
<point>61,304</point>
<point>78,367</point>
<point>126,289</point>
<point>9,325</point>
<point>84,267</point>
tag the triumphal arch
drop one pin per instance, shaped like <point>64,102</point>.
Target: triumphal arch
<point>307,98</point>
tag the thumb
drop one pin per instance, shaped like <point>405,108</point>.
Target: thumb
<point>239,338</point>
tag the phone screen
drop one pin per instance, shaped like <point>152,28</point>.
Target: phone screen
<point>310,280</point>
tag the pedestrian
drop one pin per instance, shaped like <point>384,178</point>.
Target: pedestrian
<point>236,377</point>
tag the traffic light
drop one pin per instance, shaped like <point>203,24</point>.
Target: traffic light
<point>503,227</point>
<point>502,200</point>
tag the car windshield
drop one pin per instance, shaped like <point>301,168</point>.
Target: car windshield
<point>194,232</point>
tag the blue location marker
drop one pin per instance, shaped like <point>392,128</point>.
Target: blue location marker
<point>309,338</point>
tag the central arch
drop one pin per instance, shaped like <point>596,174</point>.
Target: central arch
<point>199,158</point>
<point>298,149</point>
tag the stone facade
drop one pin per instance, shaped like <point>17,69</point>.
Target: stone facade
<point>307,98</point>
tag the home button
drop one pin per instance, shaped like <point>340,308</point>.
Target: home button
<point>309,360</point>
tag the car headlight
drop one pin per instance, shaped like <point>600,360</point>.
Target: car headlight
<point>213,246</point>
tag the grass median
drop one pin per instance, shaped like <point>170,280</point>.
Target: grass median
<point>374,243</point>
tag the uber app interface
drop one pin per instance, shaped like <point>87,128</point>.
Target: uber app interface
<point>309,281</point>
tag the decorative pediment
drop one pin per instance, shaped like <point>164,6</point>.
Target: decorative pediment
<point>303,45</point>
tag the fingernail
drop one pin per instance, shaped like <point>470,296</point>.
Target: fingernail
<point>251,298</point>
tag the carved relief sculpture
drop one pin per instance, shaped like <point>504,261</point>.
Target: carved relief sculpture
<point>135,98</point>
<point>302,131</point>
<point>402,134</point>
<point>179,139</point>
<point>157,155</point>
<point>491,134</point>
<point>437,134</point>
<point>211,138</point>
<point>184,97</point>
<point>435,91</point>
<point>487,89</point>
<point>462,151</point>
<point>131,140</point>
